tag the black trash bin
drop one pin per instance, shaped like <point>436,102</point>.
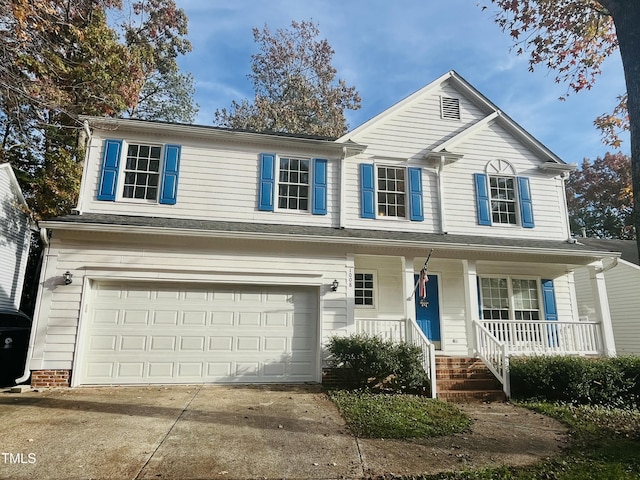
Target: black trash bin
<point>15,328</point>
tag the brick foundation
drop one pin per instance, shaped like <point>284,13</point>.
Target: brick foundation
<point>50,378</point>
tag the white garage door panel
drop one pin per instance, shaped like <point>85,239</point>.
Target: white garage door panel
<point>148,333</point>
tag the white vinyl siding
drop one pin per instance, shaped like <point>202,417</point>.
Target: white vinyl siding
<point>216,182</point>
<point>624,304</point>
<point>120,257</point>
<point>15,237</point>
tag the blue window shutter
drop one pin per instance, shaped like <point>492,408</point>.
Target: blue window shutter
<point>109,170</point>
<point>416,211</point>
<point>549,300</point>
<point>367,191</point>
<point>479,298</point>
<point>267,182</point>
<point>319,193</point>
<point>483,202</point>
<point>526,206</point>
<point>169,189</point>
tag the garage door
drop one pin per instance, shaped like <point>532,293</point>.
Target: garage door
<point>156,333</point>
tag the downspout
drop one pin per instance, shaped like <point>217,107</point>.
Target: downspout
<point>439,172</point>
<point>563,177</point>
<point>27,372</point>
<point>84,139</point>
<point>342,214</point>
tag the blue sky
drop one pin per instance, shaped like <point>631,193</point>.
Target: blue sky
<point>388,50</point>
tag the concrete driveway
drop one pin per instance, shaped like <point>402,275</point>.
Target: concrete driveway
<point>177,432</point>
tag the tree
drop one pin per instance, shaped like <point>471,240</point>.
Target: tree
<point>599,198</point>
<point>574,37</point>
<point>62,58</point>
<point>295,87</point>
<point>167,97</point>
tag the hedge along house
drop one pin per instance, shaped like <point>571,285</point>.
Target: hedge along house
<point>199,254</point>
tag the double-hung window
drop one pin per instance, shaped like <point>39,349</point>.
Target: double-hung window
<point>142,172</point>
<point>503,200</point>
<point>391,192</point>
<point>293,183</point>
<point>502,197</point>
<point>146,172</point>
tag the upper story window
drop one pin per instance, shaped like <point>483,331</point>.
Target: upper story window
<point>142,172</point>
<point>502,197</point>
<point>147,172</point>
<point>293,184</point>
<point>390,191</point>
<point>503,200</point>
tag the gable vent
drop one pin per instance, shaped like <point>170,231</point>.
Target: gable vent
<point>450,108</point>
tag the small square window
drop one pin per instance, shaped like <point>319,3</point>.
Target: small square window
<point>364,289</point>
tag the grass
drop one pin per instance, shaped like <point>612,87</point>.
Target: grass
<point>605,442</point>
<point>605,445</point>
<point>376,415</point>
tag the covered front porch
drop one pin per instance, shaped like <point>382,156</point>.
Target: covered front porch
<point>483,305</point>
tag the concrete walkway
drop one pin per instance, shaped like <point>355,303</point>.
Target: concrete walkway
<point>197,432</point>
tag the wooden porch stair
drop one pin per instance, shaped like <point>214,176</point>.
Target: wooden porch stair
<point>466,379</point>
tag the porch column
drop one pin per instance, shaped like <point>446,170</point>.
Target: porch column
<point>471,301</point>
<point>407,287</point>
<point>601,305</point>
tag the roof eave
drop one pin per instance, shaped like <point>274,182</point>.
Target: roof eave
<point>211,132</point>
<point>289,237</point>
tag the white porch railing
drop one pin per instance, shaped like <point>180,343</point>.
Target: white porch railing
<point>493,353</point>
<point>403,330</point>
<point>549,337</point>
<point>497,340</point>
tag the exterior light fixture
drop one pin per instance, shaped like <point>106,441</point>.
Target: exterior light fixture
<point>334,285</point>
<point>67,277</point>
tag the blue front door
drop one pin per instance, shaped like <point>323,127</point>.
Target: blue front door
<point>428,313</point>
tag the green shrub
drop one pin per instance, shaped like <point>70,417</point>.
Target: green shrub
<point>371,362</point>
<point>611,382</point>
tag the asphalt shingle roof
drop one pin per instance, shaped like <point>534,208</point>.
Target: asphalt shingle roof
<point>327,232</point>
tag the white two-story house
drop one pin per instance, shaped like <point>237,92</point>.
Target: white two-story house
<point>201,254</point>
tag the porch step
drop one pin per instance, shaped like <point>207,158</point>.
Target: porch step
<point>466,379</point>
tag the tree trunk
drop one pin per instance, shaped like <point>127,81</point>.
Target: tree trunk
<point>626,16</point>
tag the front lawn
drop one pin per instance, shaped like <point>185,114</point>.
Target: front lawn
<point>605,445</point>
<point>378,415</point>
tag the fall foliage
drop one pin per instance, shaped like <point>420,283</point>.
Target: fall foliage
<point>574,37</point>
<point>295,87</point>
<point>62,58</point>
<point>599,198</point>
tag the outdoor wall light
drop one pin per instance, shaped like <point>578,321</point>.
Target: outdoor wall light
<point>67,277</point>
<point>334,285</point>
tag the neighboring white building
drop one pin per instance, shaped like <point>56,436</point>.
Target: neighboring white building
<point>15,239</point>
<point>201,254</point>
<point>622,278</point>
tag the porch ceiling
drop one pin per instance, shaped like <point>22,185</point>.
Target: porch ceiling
<point>446,245</point>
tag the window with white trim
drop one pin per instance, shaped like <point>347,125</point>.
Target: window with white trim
<point>142,172</point>
<point>503,200</point>
<point>391,192</point>
<point>293,183</point>
<point>364,283</point>
<point>506,298</point>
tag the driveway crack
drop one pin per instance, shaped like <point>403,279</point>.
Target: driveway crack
<point>195,394</point>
